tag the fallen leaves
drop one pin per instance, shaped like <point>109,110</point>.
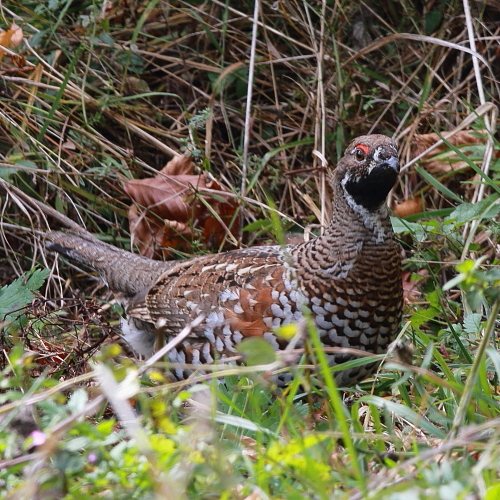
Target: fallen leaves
<point>175,207</point>
<point>413,283</point>
<point>10,38</point>
<point>442,159</point>
<point>409,207</point>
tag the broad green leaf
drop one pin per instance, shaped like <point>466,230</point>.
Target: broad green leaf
<point>7,172</point>
<point>418,231</point>
<point>20,293</point>
<point>487,209</point>
<point>257,351</point>
<point>432,20</point>
<point>78,400</point>
<point>421,316</point>
<point>472,322</point>
<point>466,266</point>
<point>107,39</point>
<point>27,164</point>
<point>494,356</point>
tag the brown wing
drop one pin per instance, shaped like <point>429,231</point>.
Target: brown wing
<point>239,290</point>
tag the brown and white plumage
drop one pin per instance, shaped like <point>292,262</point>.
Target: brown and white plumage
<point>349,278</point>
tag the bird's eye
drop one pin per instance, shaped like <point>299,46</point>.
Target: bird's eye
<point>360,154</point>
<point>360,151</point>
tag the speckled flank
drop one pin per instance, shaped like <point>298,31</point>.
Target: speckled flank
<point>349,278</point>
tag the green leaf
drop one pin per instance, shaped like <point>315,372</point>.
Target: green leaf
<point>466,212</point>
<point>7,172</point>
<point>495,359</point>
<point>240,423</point>
<point>107,39</point>
<point>54,4</point>
<point>419,231</point>
<point>257,351</point>
<point>20,293</point>
<point>474,298</point>
<point>472,323</point>
<point>492,274</point>
<point>258,225</point>
<point>78,401</point>
<point>27,164</point>
<point>493,492</point>
<point>466,266</point>
<point>433,20</point>
<point>434,298</point>
<point>421,316</point>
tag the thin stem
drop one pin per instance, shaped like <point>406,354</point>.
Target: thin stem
<point>248,111</point>
<point>471,380</point>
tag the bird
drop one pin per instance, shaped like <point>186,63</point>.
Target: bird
<point>348,279</point>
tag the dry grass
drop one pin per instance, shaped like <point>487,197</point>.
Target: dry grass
<point>99,94</point>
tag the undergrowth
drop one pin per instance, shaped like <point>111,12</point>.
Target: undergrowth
<point>98,93</point>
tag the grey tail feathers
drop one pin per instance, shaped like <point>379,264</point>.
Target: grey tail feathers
<point>124,272</point>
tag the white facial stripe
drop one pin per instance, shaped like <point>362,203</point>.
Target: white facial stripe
<point>344,181</point>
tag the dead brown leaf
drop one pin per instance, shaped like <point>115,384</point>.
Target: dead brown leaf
<point>169,210</point>
<point>412,285</point>
<point>423,141</point>
<point>155,236</point>
<point>10,38</point>
<point>409,207</point>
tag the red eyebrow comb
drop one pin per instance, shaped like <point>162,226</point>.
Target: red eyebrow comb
<point>363,148</point>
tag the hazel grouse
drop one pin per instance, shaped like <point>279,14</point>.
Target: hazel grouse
<point>349,278</point>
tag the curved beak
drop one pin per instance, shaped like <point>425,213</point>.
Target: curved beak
<point>392,162</point>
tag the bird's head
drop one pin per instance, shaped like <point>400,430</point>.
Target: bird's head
<point>367,171</point>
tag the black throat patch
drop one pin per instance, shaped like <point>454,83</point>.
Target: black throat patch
<point>370,191</point>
